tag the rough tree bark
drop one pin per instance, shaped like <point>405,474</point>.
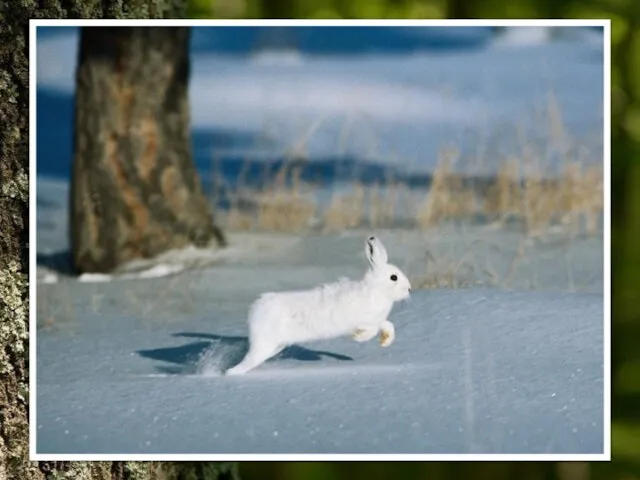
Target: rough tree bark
<point>14,235</point>
<point>135,191</point>
<point>14,225</point>
<point>138,470</point>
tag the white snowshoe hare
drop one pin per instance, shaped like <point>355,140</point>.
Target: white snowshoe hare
<point>358,308</point>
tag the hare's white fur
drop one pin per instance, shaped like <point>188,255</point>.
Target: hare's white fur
<point>358,308</point>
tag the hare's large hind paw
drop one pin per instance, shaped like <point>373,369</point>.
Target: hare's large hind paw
<point>385,339</point>
<point>387,334</point>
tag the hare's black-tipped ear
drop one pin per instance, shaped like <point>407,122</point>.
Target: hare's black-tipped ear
<point>376,253</point>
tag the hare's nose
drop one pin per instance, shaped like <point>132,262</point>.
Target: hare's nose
<point>409,290</point>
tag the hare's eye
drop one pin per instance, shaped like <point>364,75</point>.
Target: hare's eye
<point>394,277</point>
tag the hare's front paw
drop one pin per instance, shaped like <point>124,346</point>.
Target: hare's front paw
<point>364,334</point>
<point>387,334</point>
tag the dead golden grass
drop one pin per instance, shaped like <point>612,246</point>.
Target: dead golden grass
<point>520,193</point>
<point>523,191</point>
<point>239,220</point>
<point>285,211</point>
<point>582,196</point>
<point>537,201</point>
<point>447,197</point>
<point>502,197</point>
<point>283,207</point>
<point>446,272</point>
<point>345,211</point>
<point>572,200</point>
<point>380,203</point>
<point>453,269</point>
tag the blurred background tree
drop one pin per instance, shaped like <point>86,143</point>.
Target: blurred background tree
<point>135,191</point>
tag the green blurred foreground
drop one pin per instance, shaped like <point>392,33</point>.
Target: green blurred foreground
<point>621,10</point>
<point>420,470</point>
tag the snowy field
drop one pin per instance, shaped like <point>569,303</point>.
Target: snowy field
<point>509,362</point>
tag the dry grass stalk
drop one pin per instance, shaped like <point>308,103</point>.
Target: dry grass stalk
<point>239,220</point>
<point>387,210</point>
<point>539,201</point>
<point>557,130</point>
<point>447,273</point>
<point>473,267</point>
<point>504,196</point>
<point>581,196</point>
<point>447,197</point>
<point>592,195</point>
<point>517,258</point>
<point>435,205</point>
<point>382,202</point>
<point>345,210</point>
<point>283,208</point>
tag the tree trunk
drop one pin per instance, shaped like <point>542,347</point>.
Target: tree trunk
<point>14,258</point>
<point>14,250</point>
<point>140,470</point>
<point>135,192</point>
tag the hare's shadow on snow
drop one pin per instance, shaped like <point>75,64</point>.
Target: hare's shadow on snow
<point>220,352</point>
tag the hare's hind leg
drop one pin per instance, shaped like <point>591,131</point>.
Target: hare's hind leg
<point>258,353</point>
<point>364,334</point>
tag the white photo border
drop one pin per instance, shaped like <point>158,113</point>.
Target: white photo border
<point>605,456</point>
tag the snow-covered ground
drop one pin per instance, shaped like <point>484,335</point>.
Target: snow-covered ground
<point>512,363</point>
<point>133,367</point>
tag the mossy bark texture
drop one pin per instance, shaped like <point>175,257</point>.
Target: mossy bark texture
<point>14,235</point>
